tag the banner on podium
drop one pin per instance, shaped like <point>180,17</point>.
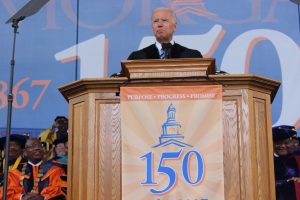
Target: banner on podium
<point>172,143</point>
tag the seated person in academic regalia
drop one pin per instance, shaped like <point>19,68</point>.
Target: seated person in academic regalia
<point>59,130</point>
<point>61,157</point>
<point>61,153</point>
<point>37,179</point>
<point>15,153</point>
<point>286,169</point>
<point>294,147</point>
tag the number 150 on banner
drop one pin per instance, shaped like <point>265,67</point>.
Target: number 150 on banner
<point>170,172</point>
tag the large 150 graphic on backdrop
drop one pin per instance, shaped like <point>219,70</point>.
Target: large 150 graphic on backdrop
<point>259,37</point>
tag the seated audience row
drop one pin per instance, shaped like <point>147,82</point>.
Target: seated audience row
<point>37,166</point>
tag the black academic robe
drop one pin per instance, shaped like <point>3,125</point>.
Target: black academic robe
<point>177,51</point>
<point>285,168</point>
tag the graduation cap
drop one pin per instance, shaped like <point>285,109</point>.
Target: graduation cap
<point>60,117</point>
<point>20,139</point>
<point>283,132</point>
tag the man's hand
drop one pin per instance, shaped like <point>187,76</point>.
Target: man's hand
<point>295,179</point>
<point>32,196</point>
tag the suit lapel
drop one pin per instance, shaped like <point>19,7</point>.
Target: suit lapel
<point>175,52</point>
<point>152,52</point>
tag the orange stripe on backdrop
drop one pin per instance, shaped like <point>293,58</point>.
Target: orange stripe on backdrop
<point>214,46</point>
<point>105,58</point>
<point>297,124</point>
<point>168,93</point>
<point>70,59</point>
<point>250,50</point>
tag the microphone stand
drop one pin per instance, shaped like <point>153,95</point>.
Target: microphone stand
<point>32,7</point>
<point>10,98</point>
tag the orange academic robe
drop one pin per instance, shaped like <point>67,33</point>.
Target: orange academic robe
<point>50,184</point>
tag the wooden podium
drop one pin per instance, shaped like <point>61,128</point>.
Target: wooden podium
<point>94,170</point>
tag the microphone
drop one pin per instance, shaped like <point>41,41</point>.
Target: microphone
<point>166,47</point>
<point>221,72</point>
<point>116,75</point>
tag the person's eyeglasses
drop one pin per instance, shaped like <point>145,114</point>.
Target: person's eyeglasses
<point>40,146</point>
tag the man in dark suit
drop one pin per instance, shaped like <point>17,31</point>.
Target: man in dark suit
<point>163,26</point>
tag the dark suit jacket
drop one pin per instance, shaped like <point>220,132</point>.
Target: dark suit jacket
<point>177,51</point>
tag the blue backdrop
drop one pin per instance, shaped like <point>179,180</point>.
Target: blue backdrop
<point>68,40</point>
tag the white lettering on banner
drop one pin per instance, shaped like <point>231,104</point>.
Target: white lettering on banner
<point>236,60</point>
<point>92,54</point>
<point>200,96</point>
<point>139,97</point>
<point>171,96</point>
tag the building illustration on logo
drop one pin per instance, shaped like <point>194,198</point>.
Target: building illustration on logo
<point>171,131</point>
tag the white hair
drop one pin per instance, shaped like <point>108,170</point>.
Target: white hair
<point>166,9</point>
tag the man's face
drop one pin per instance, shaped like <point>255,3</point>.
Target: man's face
<point>281,148</point>
<point>15,150</point>
<point>163,25</point>
<point>34,150</point>
<point>294,145</point>
<point>60,149</point>
<point>62,125</point>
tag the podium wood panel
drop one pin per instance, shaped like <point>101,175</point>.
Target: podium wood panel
<point>248,150</point>
<point>95,131</point>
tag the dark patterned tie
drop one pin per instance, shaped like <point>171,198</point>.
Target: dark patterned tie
<point>166,50</point>
<point>163,54</point>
